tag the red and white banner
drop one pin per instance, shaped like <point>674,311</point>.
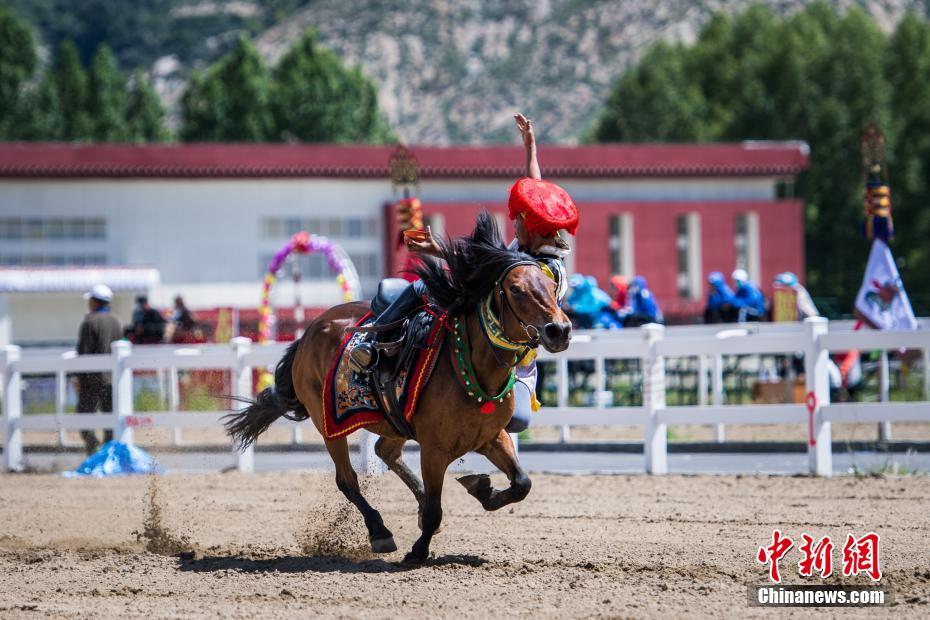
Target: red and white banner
<point>882,300</point>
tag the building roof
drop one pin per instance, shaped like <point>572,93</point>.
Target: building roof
<point>65,160</point>
<point>76,279</point>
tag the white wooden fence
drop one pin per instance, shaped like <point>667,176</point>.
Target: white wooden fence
<point>651,344</point>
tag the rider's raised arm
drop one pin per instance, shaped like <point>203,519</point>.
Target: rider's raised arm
<point>525,126</point>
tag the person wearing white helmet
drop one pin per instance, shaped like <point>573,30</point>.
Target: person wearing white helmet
<point>98,330</point>
<point>748,299</point>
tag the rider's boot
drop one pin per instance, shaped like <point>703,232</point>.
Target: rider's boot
<point>364,356</point>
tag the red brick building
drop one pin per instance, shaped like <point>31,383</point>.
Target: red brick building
<point>671,213</point>
<point>209,217</point>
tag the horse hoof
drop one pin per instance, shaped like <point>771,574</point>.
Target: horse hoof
<point>412,559</point>
<point>383,545</point>
<point>476,484</point>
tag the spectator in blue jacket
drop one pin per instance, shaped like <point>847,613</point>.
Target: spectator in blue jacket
<point>720,307</point>
<point>585,301</point>
<point>643,305</point>
<point>748,299</point>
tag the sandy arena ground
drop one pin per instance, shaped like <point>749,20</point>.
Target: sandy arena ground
<point>284,545</point>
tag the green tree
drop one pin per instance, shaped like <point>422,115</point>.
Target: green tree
<point>907,67</point>
<point>815,76</point>
<point>145,116</point>
<point>314,98</point>
<point>106,99</point>
<point>230,101</point>
<point>657,100</point>
<point>17,65</point>
<point>71,87</point>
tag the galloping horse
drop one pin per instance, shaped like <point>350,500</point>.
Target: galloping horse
<point>519,303</point>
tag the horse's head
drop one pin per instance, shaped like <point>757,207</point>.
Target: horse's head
<point>528,308</point>
<point>481,270</point>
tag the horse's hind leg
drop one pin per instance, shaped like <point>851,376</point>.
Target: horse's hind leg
<point>382,541</point>
<point>391,451</point>
<point>501,453</point>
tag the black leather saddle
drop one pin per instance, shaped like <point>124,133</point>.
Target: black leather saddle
<point>398,344</point>
<point>389,289</point>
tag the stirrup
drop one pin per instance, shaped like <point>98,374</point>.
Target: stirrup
<point>363,357</point>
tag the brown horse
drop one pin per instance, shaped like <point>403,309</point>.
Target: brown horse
<point>449,422</point>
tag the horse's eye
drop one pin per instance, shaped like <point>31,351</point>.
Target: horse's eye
<point>514,289</point>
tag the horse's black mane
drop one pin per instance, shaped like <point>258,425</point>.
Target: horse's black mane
<point>474,264</point>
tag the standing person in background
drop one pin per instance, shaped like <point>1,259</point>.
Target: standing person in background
<point>98,330</point>
<point>748,299</point>
<point>182,323</point>
<point>148,325</point>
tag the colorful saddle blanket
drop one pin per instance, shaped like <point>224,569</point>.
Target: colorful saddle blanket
<point>349,401</point>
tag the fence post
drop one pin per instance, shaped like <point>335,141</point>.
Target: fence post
<point>655,446</point>
<point>702,380</point>
<point>884,380</point>
<point>61,399</point>
<point>242,388</point>
<point>561,369</point>
<point>926,374</point>
<point>12,409</point>
<point>174,401</point>
<point>371,464</point>
<point>817,381</point>
<point>121,350</point>
<point>717,394</point>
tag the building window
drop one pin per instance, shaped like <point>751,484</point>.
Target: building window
<point>34,228</point>
<point>688,246</point>
<point>11,228</point>
<point>746,244</point>
<point>333,227</point>
<point>621,245</point>
<point>53,260</point>
<point>55,228</point>
<point>78,229</point>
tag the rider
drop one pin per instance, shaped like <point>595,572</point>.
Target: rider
<point>539,210</point>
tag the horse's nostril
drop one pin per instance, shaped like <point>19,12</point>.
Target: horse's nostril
<point>557,331</point>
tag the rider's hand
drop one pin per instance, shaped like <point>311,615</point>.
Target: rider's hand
<point>426,246</point>
<point>525,126</point>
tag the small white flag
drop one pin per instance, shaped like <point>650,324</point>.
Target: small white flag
<point>882,299</point>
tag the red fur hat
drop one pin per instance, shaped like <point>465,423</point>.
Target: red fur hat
<point>546,207</point>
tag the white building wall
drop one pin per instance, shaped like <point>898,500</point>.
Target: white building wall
<point>196,232</point>
<point>205,235</point>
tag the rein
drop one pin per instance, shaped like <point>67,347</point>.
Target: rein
<point>493,327</point>
<point>493,331</point>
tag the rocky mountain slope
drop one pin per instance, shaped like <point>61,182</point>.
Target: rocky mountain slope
<point>456,70</point>
<point>449,71</point>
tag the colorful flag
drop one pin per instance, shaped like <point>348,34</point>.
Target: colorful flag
<point>882,300</point>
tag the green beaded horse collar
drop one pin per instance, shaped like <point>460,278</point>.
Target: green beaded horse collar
<point>465,370</point>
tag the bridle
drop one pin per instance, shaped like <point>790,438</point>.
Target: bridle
<point>493,326</point>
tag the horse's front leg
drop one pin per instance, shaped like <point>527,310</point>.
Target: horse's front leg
<point>501,453</point>
<point>433,465</point>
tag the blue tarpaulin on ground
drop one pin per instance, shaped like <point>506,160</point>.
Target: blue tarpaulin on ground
<point>116,459</point>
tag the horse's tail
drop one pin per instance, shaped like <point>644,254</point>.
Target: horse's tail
<point>271,403</point>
